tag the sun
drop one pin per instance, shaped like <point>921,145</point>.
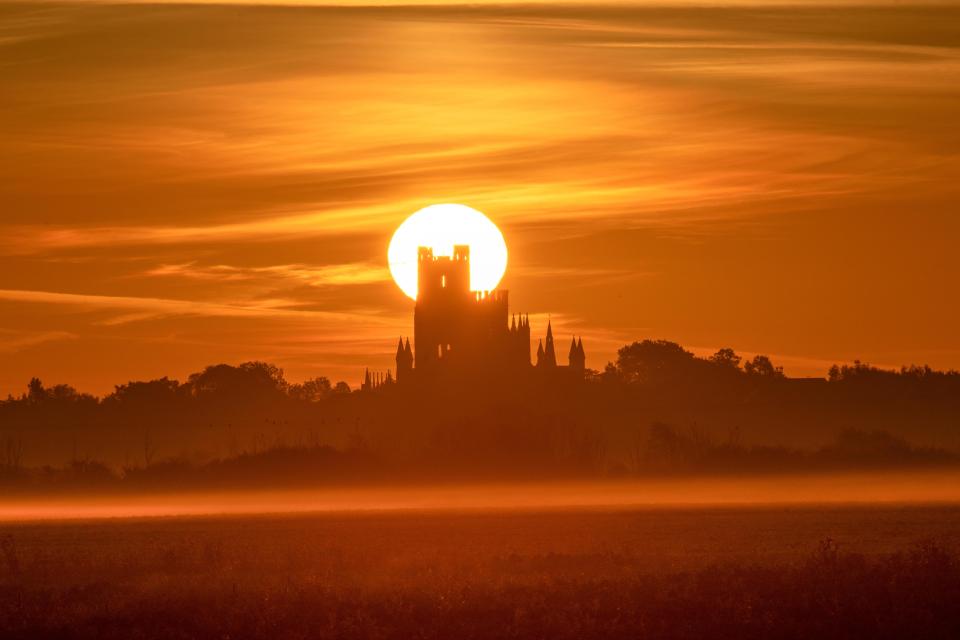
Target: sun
<point>440,226</point>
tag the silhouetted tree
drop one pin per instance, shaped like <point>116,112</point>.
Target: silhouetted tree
<point>249,381</point>
<point>36,394</point>
<point>610,374</point>
<point>152,393</point>
<point>311,390</point>
<point>653,361</point>
<point>516,423</point>
<point>859,371</point>
<point>762,367</point>
<point>62,393</point>
<point>726,358</point>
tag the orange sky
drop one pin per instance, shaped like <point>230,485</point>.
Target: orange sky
<point>186,185</point>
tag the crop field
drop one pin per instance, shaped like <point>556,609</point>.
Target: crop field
<point>785,572</point>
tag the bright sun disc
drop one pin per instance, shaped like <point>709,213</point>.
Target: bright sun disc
<point>440,226</point>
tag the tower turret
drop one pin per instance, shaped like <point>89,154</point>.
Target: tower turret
<point>549,352</point>
<point>404,360</point>
<point>578,360</point>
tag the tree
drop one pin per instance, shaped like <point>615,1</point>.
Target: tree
<point>762,367</point>
<point>311,390</point>
<point>610,373</point>
<point>62,392</point>
<point>270,373</point>
<point>726,358</point>
<point>653,361</point>
<point>834,375</point>
<point>154,392</point>
<point>341,387</point>
<point>248,381</point>
<point>35,391</point>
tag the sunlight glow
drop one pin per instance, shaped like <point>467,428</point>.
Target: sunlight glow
<point>440,227</point>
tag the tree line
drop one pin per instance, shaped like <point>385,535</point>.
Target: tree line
<point>681,411</point>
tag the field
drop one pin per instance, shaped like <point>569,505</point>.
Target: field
<point>658,572</point>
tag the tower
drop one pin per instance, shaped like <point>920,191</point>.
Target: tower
<point>454,326</point>
<point>443,293</point>
<point>443,278</point>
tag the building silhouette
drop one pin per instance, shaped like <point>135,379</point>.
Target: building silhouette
<point>461,332</point>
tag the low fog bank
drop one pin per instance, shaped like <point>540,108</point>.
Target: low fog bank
<point>478,455</point>
<point>920,487</point>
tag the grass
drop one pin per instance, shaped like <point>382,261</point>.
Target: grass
<point>574,574</point>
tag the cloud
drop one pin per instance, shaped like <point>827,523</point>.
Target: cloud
<point>280,150</point>
<point>23,238</point>
<point>148,308</point>
<point>14,341</point>
<point>587,274</point>
<point>317,276</point>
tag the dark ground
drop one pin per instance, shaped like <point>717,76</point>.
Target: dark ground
<point>799,572</point>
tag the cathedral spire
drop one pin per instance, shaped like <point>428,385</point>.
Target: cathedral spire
<point>404,361</point>
<point>578,362</point>
<point>550,353</point>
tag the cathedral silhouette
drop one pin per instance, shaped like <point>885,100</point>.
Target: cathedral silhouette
<point>458,332</point>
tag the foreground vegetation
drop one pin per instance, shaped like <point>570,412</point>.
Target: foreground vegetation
<point>656,574</point>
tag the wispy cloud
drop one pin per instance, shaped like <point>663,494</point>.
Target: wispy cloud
<point>13,341</point>
<point>24,238</point>
<point>149,308</point>
<point>317,276</point>
<point>585,274</point>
